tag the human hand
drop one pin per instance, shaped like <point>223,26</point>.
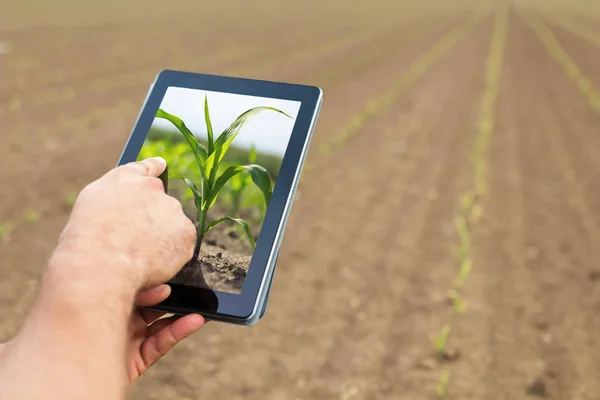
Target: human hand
<point>124,235</point>
<point>126,220</point>
<point>149,337</point>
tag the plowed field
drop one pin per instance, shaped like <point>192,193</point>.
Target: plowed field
<point>451,190</point>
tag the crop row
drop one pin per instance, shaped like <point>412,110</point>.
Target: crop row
<point>576,28</point>
<point>375,106</point>
<point>179,50</point>
<point>470,209</point>
<point>125,108</point>
<point>105,83</point>
<point>572,71</point>
<point>97,115</point>
<point>582,9</point>
<point>376,46</point>
<point>179,45</point>
<point>376,53</point>
<point>568,66</point>
<point>136,75</point>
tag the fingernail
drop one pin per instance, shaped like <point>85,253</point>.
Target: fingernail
<point>165,288</point>
<point>161,288</point>
<point>159,159</point>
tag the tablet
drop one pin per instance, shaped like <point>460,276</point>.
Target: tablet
<point>234,149</point>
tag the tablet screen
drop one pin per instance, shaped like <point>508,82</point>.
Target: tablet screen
<point>223,153</point>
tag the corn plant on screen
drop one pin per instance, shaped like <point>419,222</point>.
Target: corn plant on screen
<point>223,153</point>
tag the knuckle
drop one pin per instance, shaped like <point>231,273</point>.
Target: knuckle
<point>189,234</point>
<point>189,229</point>
<point>173,205</point>
<point>190,251</point>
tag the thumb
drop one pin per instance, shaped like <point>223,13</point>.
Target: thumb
<point>153,166</point>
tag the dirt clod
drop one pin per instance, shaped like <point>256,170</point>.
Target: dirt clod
<point>593,276</point>
<point>550,373</point>
<point>450,355</point>
<point>537,387</point>
<point>541,324</point>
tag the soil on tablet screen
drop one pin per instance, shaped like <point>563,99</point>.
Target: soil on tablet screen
<point>370,249</point>
<point>222,265</point>
<point>224,257</point>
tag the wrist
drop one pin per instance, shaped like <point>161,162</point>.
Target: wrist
<point>88,279</point>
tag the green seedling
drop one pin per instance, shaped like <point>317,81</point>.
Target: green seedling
<point>466,202</point>
<point>460,306</point>
<point>441,340</point>
<point>208,160</point>
<point>464,237</point>
<point>6,229</point>
<point>32,216</point>
<point>463,273</point>
<point>476,214</point>
<point>442,387</point>
<point>70,199</point>
<point>480,187</point>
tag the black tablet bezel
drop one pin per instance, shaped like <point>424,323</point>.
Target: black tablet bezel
<point>186,299</point>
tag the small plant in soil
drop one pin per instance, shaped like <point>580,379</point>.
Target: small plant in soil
<point>476,213</point>
<point>442,387</point>
<point>70,199</point>
<point>458,303</point>
<point>466,202</point>
<point>209,159</point>
<point>464,237</point>
<point>464,271</point>
<point>441,341</point>
<point>32,216</point>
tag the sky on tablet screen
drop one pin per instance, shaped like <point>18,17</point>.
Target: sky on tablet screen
<point>269,131</point>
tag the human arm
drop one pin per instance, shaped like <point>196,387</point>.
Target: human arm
<point>124,238</point>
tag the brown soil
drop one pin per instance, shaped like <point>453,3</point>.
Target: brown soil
<point>216,269</point>
<point>223,262</point>
<point>225,252</point>
<point>368,255</point>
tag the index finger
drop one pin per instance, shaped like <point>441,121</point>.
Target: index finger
<point>153,166</point>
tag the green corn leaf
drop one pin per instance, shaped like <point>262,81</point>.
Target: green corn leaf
<point>259,174</point>
<point>197,194</point>
<point>211,168</point>
<point>209,129</point>
<point>224,140</point>
<point>262,180</point>
<point>198,149</point>
<point>238,221</point>
<point>442,388</point>
<point>442,339</point>
<point>222,180</point>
